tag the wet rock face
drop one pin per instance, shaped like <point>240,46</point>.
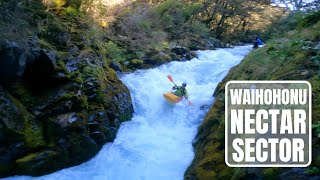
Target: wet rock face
<point>116,66</point>
<point>56,112</point>
<point>40,63</point>
<point>179,50</point>
<point>12,61</point>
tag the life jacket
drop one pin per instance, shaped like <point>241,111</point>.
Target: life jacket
<point>181,92</point>
<point>259,41</point>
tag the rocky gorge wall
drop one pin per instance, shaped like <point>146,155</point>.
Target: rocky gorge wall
<point>56,112</point>
<point>60,102</point>
<point>294,57</point>
<point>60,97</point>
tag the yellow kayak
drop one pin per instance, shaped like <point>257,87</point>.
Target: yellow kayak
<point>169,96</point>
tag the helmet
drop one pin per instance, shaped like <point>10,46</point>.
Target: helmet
<point>184,84</point>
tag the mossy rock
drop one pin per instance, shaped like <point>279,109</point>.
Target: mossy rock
<point>174,56</point>
<point>37,163</point>
<point>81,147</point>
<point>311,171</point>
<point>159,59</point>
<point>194,54</point>
<point>292,59</point>
<point>33,141</point>
<point>271,173</point>
<point>19,123</point>
<point>136,63</point>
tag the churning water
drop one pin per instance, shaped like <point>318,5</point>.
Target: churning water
<point>157,142</point>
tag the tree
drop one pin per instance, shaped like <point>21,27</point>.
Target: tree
<point>228,15</point>
<point>295,5</point>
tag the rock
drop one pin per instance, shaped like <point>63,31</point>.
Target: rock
<point>229,46</point>
<point>12,61</point>
<point>158,59</point>
<point>194,54</point>
<point>72,65</point>
<point>110,133</point>
<point>16,121</point>
<point>66,119</point>
<point>305,73</point>
<point>77,116</point>
<point>297,173</point>
<point>174,56</point>
<point>152,52</point>
<point>20,132</point>
<point>315,60</point>
<point>213,43</point>
<point>136,63</point>
<point>179,50</point>
<point>116,66</point>
<point>98,137</point>
<point>40,64</point>
<point>37,163</point>
<point>73,50</point>
<point>189,56</point>
<point>126,63</point>
<point>82,147</point>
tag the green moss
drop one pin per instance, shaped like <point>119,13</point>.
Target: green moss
<point>27,158</point>
<point>20,91</point>
<point>34,137</point>
<point>70,12</point>
<point>61,66</point>
<point>204,174</point>
<point>312,171</point>
<point>100,97</point>
<point>87,71</point>
<point>78,79</point>
<point>309,20</point>
<point>279,60</point>
<point>32,132</point>
<point>67,96</point>
<point>76,76</point>
<point>83,102</point>
<point>316,160</point>
<point>194,54</point>
<point>30,163</point>
<point>137,61</point>
<point>271,173</point>
<point>44,44</point>
<point>160,59</point>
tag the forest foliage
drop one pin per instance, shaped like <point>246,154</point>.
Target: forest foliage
<point>124,30</point>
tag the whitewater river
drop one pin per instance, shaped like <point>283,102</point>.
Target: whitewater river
<point>157,142</point>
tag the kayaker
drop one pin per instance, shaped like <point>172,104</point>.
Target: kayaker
<point>256,42</point>
<point>181,90</point>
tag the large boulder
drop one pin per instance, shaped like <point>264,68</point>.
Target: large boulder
<point>179,50</point>
<point>12,61</point>
<point>20,132</point>
<point>46,126</point>
<point>41,63</point>
<point>115,66</point>
<point>158,59</point>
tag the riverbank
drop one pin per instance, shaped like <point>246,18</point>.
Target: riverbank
<point>157,142</point>
<point>60,95</point>
<point>294,57</point>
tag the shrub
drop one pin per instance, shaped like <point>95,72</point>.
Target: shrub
<point>312,171</point>
<point>309,20</point>
<point>114,52</point>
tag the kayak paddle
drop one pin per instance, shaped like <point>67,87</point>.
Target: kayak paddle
<point>171,79</point>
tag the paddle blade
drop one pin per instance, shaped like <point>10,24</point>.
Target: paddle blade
<point>169,77</point>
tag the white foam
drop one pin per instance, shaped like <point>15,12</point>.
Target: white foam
<point>157,142</point>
